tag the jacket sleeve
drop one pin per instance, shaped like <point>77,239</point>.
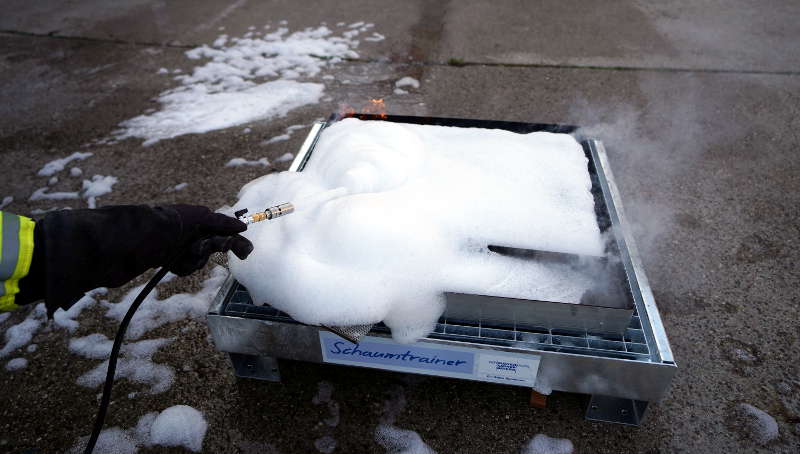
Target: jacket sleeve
<point>16,255</point>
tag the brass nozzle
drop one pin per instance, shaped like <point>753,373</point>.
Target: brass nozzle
<point>270,213</point>
<point>279,210</point>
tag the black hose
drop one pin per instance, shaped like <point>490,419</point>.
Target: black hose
<point>112,359</point>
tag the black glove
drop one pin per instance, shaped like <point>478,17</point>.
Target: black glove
<point>78,250</point>
<point>204,233</point>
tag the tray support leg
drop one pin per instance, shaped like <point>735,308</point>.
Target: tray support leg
<point>616,409</point>
<point>255,366</point>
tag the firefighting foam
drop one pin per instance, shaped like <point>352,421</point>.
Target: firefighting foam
<point>392,215</point>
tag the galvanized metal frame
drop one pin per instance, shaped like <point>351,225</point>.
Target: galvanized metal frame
<point>622,374</point>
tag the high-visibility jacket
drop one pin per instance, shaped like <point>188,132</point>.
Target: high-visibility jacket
<point>16,253</point>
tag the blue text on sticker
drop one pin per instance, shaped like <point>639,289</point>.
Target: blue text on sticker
<point>405,356</point>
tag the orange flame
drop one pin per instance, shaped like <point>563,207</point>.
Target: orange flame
<point>373,107</point>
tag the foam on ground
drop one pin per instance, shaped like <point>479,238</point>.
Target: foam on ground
<point>98,186</point>
<point>22,333</point>
<point>542,444</point>
<point>401,441</point>
<point>155,312</point>
<point>135,362</point>
<point>389,216</point>
<point>180,425</point>
<point>67,318</point>
<point>196,110</point>
<point>244,79</point>
<point>113,440</point>
<point>762,426</point>
<point>407,82</point>
<point>6,201</point>
<point>58,165</point>
<point>238,162</point>
<point>43,194</point>
<point>16,364</point>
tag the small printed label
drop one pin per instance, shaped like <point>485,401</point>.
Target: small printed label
<point>377,352</point>
<point>431,359</point>
<point>508,369</point>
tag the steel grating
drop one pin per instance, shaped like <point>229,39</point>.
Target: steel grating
<point>632,345</point>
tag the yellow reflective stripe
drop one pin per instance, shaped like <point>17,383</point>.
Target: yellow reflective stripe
<point>24,237</point>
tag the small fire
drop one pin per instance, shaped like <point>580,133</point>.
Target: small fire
<point>375,107</point>
<point>372,107</point>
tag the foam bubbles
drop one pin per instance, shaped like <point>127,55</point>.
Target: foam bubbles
<point>17,364</point>
<point>542,444</point>
<point>22,333</point>
<point>401,441</point>
<point>762,427</point>
<point>392,215</point>
<point>180,425</point>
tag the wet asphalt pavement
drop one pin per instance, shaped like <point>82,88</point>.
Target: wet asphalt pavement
<point>698,104</point>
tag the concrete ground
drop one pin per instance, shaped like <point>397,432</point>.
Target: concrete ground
<point>697,101</point>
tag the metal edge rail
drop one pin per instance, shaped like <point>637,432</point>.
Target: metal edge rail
<point>648,311</point>
<point>311,141</point>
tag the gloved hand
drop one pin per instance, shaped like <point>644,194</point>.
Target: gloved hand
<point>78,250</point>
<point>204,233</point>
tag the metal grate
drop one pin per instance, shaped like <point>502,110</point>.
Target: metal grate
<point>632,345</point>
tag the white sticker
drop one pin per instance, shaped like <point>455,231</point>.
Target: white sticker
<point>508,369</point>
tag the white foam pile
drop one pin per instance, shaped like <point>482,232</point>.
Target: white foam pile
<point>16,364</point>
<point>6,201</point>
<point>761,425</point>
<point>177,187</point>
<point>67,318</point>
<point>22,333</point>
<point>280,138</point>
<point>401,441</point>
<point>375,37</point>
<point>154,312</point>
<point>98,186</point>
<point>177,426</point>
<point>180,425</point>
<point>244,80</point>
<point>135,362</point>
<point>239,162</point>
<point>58,165</point>
<point>43,194</point>
<point>389,216</point>
<point>542,444</point>
<point>405,82</point>
<point>285,136</point>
